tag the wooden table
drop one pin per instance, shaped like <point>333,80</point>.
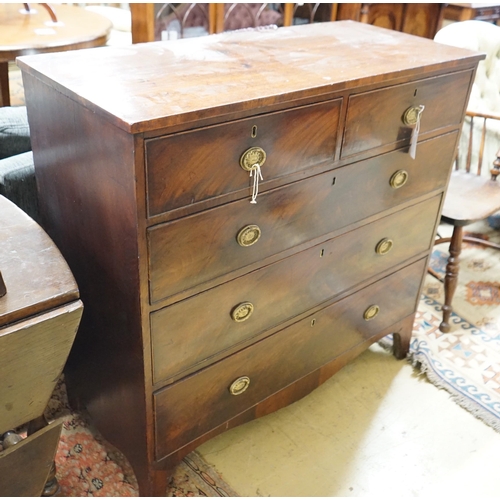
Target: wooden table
<point>39,314</point>
<point>33,32</point>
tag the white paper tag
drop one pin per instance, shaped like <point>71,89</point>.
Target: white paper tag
<point>414,134</point>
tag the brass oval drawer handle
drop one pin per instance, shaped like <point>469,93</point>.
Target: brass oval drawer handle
<point>371,312</point>
<point>398,179</point>
<point>239,386</point>
<point>252,158</point>
<point>384,246</point>
<point>242,312</point>
<point>248,236</point>
<point>412,115</point>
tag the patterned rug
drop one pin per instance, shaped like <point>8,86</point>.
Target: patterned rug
<point>466,361</point>
<point>88,466</point>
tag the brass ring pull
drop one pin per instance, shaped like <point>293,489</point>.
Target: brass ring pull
<point>398,179</point>
<point>371,312</point>
<point>248,236</point>
<point>412,115</point>
<point>239,386</point>
<point>242,312</point>
<point>251,158</point>
<point>384,246</point>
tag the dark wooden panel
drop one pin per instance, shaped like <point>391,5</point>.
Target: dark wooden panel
<point>189,332</point>
<point>36,276</point>
<point>423,19</point>
<point>194,250</point>
<point>384,15</point>
<point>186,168</point>
<point>279,360</point>
<point>375,118</point>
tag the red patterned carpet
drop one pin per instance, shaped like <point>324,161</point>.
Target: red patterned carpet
<point>88,466</point>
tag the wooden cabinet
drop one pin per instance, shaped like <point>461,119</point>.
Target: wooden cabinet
<point>421,19</point>
<point>203,310</point>
<point>39,315</point>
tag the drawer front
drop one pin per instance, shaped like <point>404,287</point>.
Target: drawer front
<point>375,118</point>
<point>198,328</point>
<point>279,360</point>
<point>190,167</point>
<point>191,251</point>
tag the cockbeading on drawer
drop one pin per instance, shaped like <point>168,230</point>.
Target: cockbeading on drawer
<point>190,167</point>
<point>387,116</point>
<point>192,251</point>
<point>267,366</point>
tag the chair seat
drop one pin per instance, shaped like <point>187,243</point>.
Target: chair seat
<point>470,198</point>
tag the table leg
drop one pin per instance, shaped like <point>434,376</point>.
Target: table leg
<point>4,84</point>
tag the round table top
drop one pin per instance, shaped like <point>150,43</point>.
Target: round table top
<point>23,33</point>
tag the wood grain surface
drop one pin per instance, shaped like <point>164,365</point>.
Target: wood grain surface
<point>36,276</point>
<point>209,76</point>
<point>134,128</point>
<point>189,332</point>
<point>199,248</point>
<point>294,140</point>
<point>277,361</point>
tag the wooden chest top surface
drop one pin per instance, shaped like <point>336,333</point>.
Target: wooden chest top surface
<point>150,86</point>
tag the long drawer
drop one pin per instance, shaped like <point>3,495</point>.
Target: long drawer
<point>196,249</point>
<point>193,166</point>
<point>198,328</point>
<point>279,360</point>
<point>376,118</point>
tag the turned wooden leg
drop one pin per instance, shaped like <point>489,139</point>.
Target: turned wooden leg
<point>451,278</point>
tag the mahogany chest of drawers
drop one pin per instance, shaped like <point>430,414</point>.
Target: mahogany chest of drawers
<point>204,310</point>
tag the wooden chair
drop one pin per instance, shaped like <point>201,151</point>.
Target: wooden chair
<point>471,197</point>
<point>473,192</point>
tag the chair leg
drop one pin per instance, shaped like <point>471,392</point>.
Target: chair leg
<point>451,278</point>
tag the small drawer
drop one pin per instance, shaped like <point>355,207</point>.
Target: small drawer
<point>192,251</point>
<point>190,331</point>
<point>376,118</point>
<point>190,167</point>
<point>229,387</point>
